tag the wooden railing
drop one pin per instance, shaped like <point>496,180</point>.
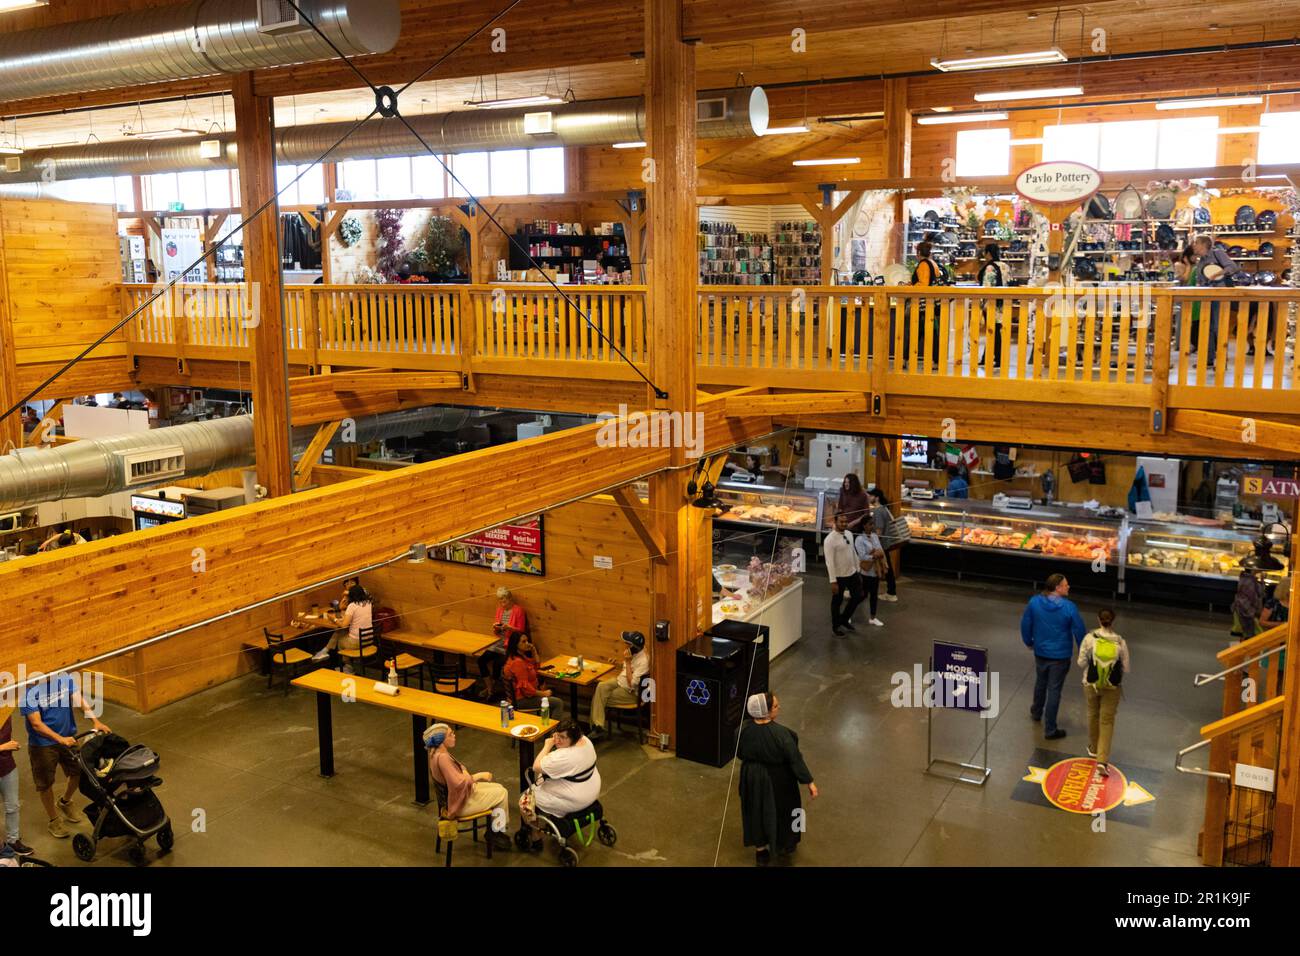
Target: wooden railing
<point>1224,349</point>
<point>1249,731</point>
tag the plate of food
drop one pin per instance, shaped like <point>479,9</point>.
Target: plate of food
<point>726,568</point>
<point>525,730</point>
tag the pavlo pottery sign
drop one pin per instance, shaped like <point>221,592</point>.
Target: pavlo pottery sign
<point>1058,183</point>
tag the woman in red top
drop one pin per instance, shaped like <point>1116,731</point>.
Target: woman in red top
<point>510,619</point>
<point>521,674</point>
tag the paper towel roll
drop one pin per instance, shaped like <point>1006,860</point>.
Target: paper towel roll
<point>386,688</point>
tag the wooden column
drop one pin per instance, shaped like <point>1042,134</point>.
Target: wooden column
<point>898,158</point>
<point>1286,827</point>
<point>262,272</point>
<point>889,479</point>
<point>11,428</point>
<point>672,278</point>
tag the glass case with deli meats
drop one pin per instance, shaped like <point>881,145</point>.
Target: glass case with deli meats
<point>1191,561</point>
<point>973,536</point>
<point>769,506</point>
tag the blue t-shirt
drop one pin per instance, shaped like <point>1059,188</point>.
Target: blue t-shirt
<point>958,488</point>
<point>52,699</point>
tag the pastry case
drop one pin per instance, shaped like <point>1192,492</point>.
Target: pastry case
<point>969,536</point>
<point>772,507</point>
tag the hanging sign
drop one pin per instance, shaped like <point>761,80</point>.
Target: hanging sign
<point>1283,488</point>
<point>1058,183</point>
<point>509,547</point>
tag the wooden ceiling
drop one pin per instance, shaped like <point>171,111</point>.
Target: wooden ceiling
<point>589,46</point>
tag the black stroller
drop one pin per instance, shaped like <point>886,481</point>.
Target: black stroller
<point>118,780</point>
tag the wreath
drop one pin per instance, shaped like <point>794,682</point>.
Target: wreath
<point>349,232</point>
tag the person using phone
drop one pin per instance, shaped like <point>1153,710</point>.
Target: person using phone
<point>522,676</point>
<point>623,688</point>
<point>510,619</point>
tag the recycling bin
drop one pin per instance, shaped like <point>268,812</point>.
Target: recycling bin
<point>715,674</point>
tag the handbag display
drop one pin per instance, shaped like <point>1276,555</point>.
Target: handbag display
<point>1079,468</point>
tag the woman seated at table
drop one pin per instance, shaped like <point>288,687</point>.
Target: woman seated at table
<point>467,793</point>
<point>567,778</point>
<point>510,619</point>
<point>521,674</point>
<point>353,620</point>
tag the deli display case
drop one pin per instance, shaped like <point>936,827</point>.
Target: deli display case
<point>771,507</point>
<point>1190,562</point>
<point>970,536</point>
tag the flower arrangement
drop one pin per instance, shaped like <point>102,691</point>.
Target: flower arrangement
<point>440,248</point>
<point>392,249</point>
<point>349,232</point>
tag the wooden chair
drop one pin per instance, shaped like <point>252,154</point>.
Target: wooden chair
<point>450,827</point>
<point>366,651</point>
<point>405,663</point>
<point>640,710</point>
<point>447,679</point>
<point>278,655</point>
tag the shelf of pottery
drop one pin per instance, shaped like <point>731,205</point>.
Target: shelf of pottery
<point>797,253</point>
<point>729,257</point>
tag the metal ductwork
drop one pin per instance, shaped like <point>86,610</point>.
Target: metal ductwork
<point>92,468</point>
<point>202,38</point>
<point>723,114</point>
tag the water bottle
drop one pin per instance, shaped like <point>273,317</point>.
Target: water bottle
<point>546,709</point>
<point>505,714</point>
<point>579,664</point>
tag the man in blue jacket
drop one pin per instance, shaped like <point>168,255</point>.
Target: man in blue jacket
<point>1052,628</point>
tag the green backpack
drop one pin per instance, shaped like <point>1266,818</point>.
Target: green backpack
<point>1105,669</point>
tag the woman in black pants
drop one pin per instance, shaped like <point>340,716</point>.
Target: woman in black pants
<point>881,519</point>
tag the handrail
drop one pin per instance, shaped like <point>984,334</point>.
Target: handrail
<point>1202,679</point>
<point>1262,639</point>
<point>1199,771</point>
<point>1235,723</point>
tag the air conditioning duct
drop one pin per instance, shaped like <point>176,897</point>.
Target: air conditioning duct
<point>733,114</point>
<point>202,38</point>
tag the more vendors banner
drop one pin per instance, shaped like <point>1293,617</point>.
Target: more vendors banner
<point>514,547</point>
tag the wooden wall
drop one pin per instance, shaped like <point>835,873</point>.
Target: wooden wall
<point>574,608</point>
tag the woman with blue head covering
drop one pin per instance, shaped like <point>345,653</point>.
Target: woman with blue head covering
<point>771,770</point>
<point>463,793</point>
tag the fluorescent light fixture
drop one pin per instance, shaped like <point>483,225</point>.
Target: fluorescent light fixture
<point>636,145</point>
<point>7,150</point>
<point>941,109</point>
<point>175,133</point>
<point>785,130</point>
<point>6,5</point>
<point>1208,102</point>
<point>1026,142</point>
<point>1050,92</point>
<point>841,161</point>
<point>959,118</point>
<point>540,99</point>
<point>1033,58</point>
<point>1227,130</point>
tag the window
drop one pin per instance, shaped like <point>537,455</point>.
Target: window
<point>509,169</point>
<point>1137,144</point>
<point>192,189</point>
<point>1279,138</point>
<point>983,152</point>
<point>546,170</point>
<point>99,190</point>
<point>393,178</point>
<point>358,178</point>
<point>217,184</point>
<point>300,185</point>
<point>161,190</point>
<point>428,178</point>
<point>471,169</point>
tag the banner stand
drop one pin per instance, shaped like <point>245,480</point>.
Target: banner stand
<point>956,770</point>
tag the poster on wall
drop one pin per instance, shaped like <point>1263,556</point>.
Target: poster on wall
<point>513,547</point>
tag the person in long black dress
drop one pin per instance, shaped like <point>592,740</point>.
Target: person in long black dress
<point>770,773</point>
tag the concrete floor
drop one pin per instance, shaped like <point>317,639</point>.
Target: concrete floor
<point>242,760</point>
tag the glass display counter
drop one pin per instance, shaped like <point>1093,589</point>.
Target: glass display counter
<point>771,507</point>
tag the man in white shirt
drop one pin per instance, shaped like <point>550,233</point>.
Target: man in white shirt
<point>842,566</point>
<point>624,688</point>
<point>567,778</point>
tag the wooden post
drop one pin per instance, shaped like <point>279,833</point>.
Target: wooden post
<point>1162,347</point>
<point>898,159</point>
<point>1286,832</point>
<point>673,277</point>
<point>255,122</point>
<point>11,428</point>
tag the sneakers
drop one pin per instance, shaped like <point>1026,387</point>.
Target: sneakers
<point>21,849</point>
<point>1092,753</point>
<point>848,626</point>
<point>499,840</point>
<point>321,656</point>
<point>1056,734</point>
<point>58,830</point>
<point>838,631</point>
<point>1103,769</point>
<point>1035,717</point>
<point>877,622</point>
<point>69,811</point>
<point>762,857</point>
<point>889,597</point>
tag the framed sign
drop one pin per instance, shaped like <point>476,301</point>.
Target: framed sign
<point>961,671</point>
<point>1058,183</point>
<point>516,547</point>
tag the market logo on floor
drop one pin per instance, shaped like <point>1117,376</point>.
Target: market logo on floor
<point>1076,786</point>
<point>74,909</point>
<point>655,429</point>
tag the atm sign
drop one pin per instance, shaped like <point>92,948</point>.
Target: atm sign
<point>1287,488</point>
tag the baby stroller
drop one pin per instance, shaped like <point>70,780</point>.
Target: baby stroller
<point>118,780</point>
<point>578,828</point>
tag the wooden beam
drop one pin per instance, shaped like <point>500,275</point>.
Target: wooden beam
<point>11,427</point>
<point>650,536</point>
<point>795,403</point>
<point>366,382</point>
<point>320,441</point>
<point>255,122</point>
<point>1240,430</point>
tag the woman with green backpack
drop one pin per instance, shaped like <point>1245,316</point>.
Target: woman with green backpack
<point>1103,655</point>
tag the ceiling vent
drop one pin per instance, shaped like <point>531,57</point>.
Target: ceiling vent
<point>276,17</point>
<point>149,466</point>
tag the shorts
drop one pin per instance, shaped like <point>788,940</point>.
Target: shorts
<point>45,760</point>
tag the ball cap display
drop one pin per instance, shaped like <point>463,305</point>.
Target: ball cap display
<point>635,639</point>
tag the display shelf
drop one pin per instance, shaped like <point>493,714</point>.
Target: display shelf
<point>770,507</point>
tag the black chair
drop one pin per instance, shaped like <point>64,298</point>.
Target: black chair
<point>448,680</point>
<point>278,654</point>
<point>615,713</point>
<point>366,651</point>
<point>404,663</point>
<point>449,827</point>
